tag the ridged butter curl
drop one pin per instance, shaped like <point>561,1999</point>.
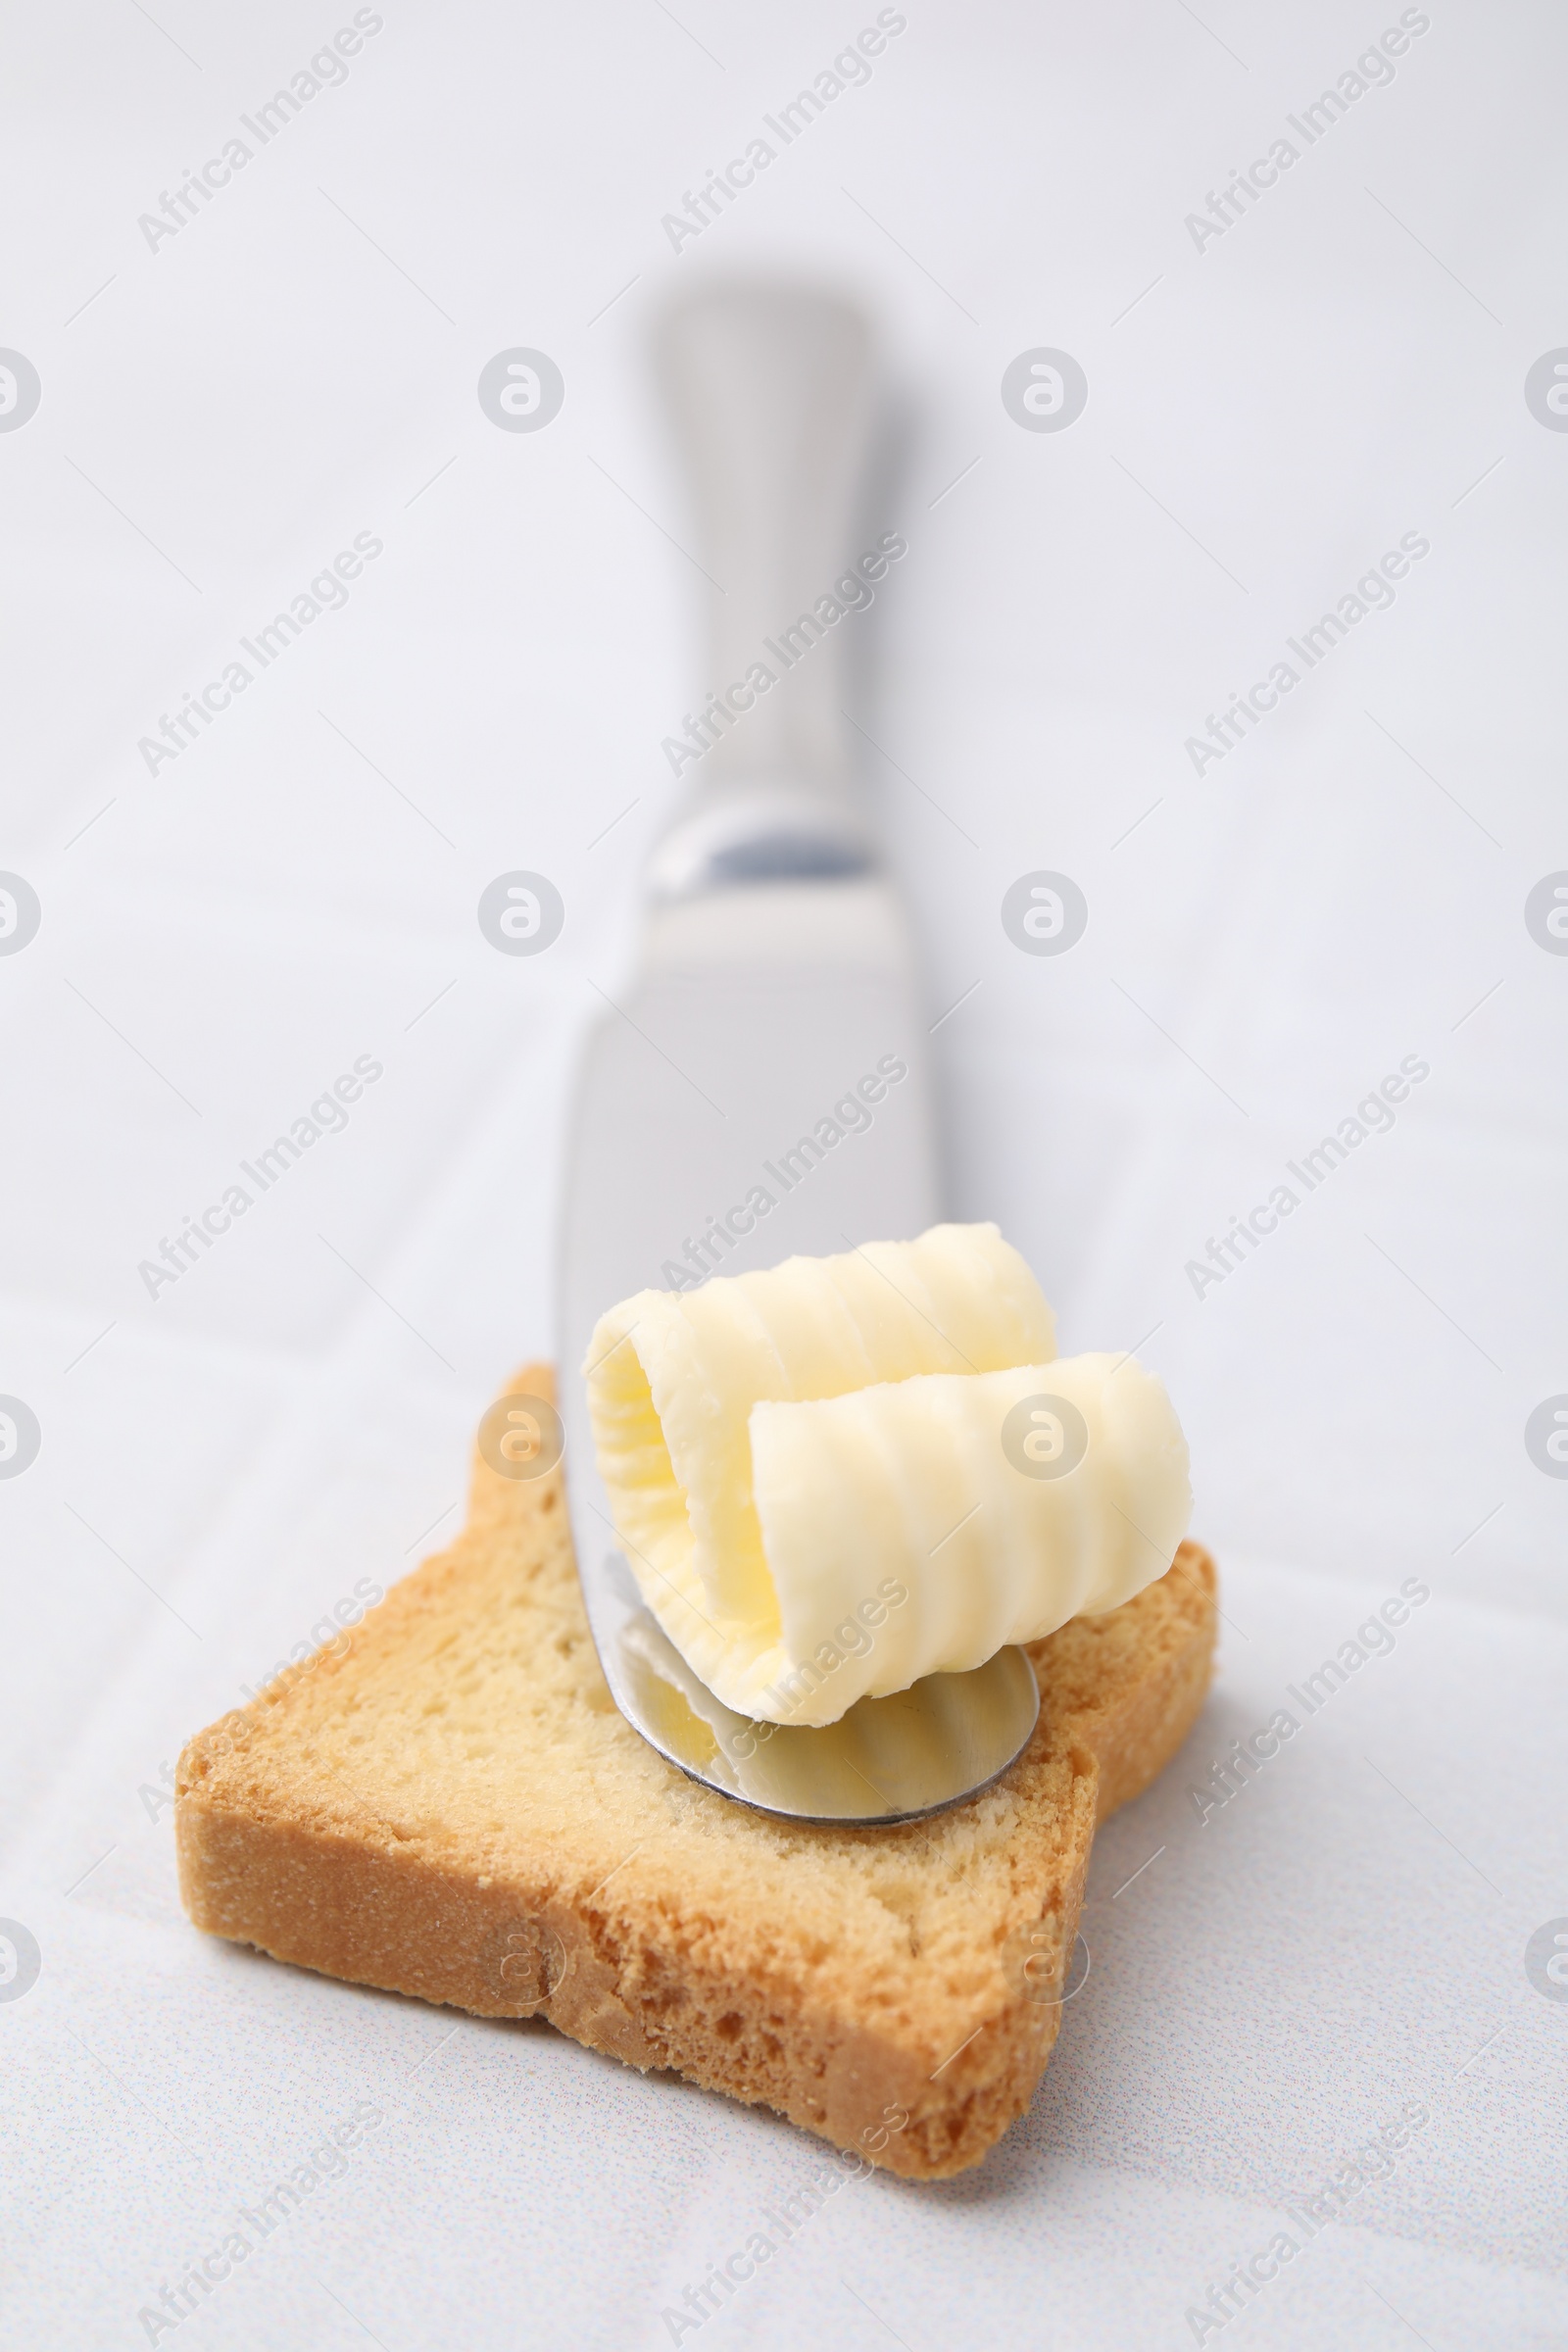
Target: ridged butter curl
<point>814,1474</point>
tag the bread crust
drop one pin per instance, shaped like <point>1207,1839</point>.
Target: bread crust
<point>452,1807</point>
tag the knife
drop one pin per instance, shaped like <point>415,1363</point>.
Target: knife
<point>721,1122</point>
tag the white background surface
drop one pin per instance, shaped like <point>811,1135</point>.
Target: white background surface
<point>218,941</point>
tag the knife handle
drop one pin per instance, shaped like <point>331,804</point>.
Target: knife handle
<point>771,389</point>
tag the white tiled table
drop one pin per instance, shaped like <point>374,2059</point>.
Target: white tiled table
<point>222,1463</point>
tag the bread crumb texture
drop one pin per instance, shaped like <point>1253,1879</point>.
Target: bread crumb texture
<point>452,1807</point>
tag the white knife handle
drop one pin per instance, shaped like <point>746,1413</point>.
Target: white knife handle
<point>771,390</point>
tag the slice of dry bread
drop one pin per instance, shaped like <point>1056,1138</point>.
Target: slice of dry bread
<point>452,1807</point>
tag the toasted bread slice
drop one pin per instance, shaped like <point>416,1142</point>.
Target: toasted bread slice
<point>452,1807</point>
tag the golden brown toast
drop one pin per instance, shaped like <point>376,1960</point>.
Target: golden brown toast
<point>452,1807</point>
